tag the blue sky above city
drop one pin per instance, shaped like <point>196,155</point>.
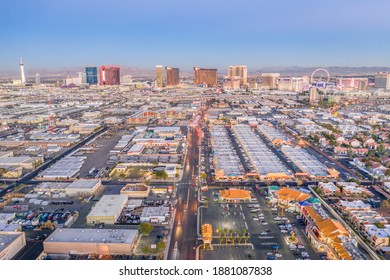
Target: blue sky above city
<point>257,33</point>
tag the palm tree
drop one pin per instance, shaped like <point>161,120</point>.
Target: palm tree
<point>246,237</point>
<point>231,235</point>
<point>225,231</point>
<point>239,237</point>
<point>220,239</point>
<point>219,231</point>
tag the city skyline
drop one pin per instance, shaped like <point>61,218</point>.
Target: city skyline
<point>184,35</point>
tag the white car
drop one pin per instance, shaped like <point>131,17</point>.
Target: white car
<point>277,218</point>
<point>284,231</point>
<point>278,255</point>
<point>301,247</point>
<point>255,219</point>
<point>284,219</point>
<point>263,233</point>
<point>264,223</point>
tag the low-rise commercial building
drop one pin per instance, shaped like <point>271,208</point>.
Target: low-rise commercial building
<point>154,214</point>
<point>107,210</point>
<point>84,187</point>
<point>266,164</point>
<point>11,243</point>
<point>234,195</point>
<point>86,241</point>
<point>307,163</point>
<point>136,190</point>
<point>326,235</point>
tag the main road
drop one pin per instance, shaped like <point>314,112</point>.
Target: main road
<point>184,231</point>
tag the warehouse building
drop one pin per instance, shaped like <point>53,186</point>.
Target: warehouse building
<point>11,243</point>
<point>107,210</point>
<point>78,241</point>
<point>66,168</point>
<point>84,187</point>
<point>154,214</point>
<point>136,190</point>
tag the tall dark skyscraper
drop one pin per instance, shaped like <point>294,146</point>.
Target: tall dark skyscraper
<point>207,77</point>
<point>110,75</point>
<point>172,76</point>
<point>91,74</point>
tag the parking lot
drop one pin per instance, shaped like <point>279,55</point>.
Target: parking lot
<point>266,233</point>
<point>229,252</point>
<point>102,147</point>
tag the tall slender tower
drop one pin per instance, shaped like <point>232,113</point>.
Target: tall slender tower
<point>23,78</point>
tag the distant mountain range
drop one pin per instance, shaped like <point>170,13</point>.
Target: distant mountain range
<point>141,72</point>
<point>333,70</point>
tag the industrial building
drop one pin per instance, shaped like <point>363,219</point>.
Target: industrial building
<point>65,168</point>
<point>80,241</point>
<point>136,190</point>
<point>154,214</point>
<point>11,243</point>
<point>107,210</point>
<point>84,187</point>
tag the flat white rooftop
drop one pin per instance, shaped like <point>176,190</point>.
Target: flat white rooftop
<point>83,184</point>
<point>89,235</point>
<point>108,205</point>
<point>155,211</point>
<point>6,238</point>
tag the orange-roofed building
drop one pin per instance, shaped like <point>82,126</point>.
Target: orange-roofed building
<point>235,195</point>
<point>207,235</point>
<point>325,234</point>
<point>287,195</point>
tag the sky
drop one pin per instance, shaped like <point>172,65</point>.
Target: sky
<point>185,33</point>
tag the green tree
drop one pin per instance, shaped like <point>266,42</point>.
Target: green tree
<point>387,173</point>
<point>371,153</point>
<point>145,228</point>
<point>146,250</point>
<point>379,225</point>
<point>203,176</point>
<point>381,149</point>
<point>161,174</point>
<point>161,246</point>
